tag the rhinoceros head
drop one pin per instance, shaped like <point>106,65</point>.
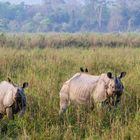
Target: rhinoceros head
<point>115,86</point>
<point>19,105</point>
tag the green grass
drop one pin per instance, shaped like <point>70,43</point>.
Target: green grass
<point>46,70</point>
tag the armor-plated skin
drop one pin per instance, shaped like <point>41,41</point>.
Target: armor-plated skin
<point>84,88</point>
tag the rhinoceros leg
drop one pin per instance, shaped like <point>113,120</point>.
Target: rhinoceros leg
<point>63,105</point>
<point>9,113</point>
<point>64,99</point>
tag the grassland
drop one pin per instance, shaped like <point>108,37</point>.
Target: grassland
<point>46,70</point>
<point>59,40</point>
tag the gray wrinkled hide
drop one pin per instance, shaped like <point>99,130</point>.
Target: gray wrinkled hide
<point>9,95</point>
<point>84,88</point>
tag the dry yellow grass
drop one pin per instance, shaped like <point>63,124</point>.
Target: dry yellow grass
<point>59,40</point>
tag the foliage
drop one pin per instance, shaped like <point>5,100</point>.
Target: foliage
<point>71,16</point>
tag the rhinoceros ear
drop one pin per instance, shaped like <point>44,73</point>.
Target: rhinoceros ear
<point>9,80</point>
<point>81,69</point>
<point>86,70</point>
<point>122,75</point>
<point>25,85</point>
<point>109,75</point>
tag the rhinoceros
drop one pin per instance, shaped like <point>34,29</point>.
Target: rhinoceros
<point>12,99</point>
<point>84,88</point>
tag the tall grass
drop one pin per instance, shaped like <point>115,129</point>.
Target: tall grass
<point>46,70</point>
<point>59,40</point>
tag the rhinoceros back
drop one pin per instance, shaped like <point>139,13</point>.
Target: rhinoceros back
<point>81,87</point>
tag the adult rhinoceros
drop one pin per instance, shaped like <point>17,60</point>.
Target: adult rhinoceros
<point>12,99</point>
<point>84,88</point>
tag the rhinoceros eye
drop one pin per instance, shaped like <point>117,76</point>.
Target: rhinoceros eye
<point>113,86</point>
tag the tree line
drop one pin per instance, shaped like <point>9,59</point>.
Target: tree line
<point>71,16</point>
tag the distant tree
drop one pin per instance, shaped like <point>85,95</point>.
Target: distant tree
<point>71,16</point>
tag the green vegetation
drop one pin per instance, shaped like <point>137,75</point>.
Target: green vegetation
<point>71,16</point>
<point>60,40</point>
<point>47,69</point>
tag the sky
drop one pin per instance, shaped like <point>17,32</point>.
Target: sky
<point>26,1</point>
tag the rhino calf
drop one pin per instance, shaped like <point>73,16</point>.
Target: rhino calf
<point>12,99</point>
<point>84,88</point>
